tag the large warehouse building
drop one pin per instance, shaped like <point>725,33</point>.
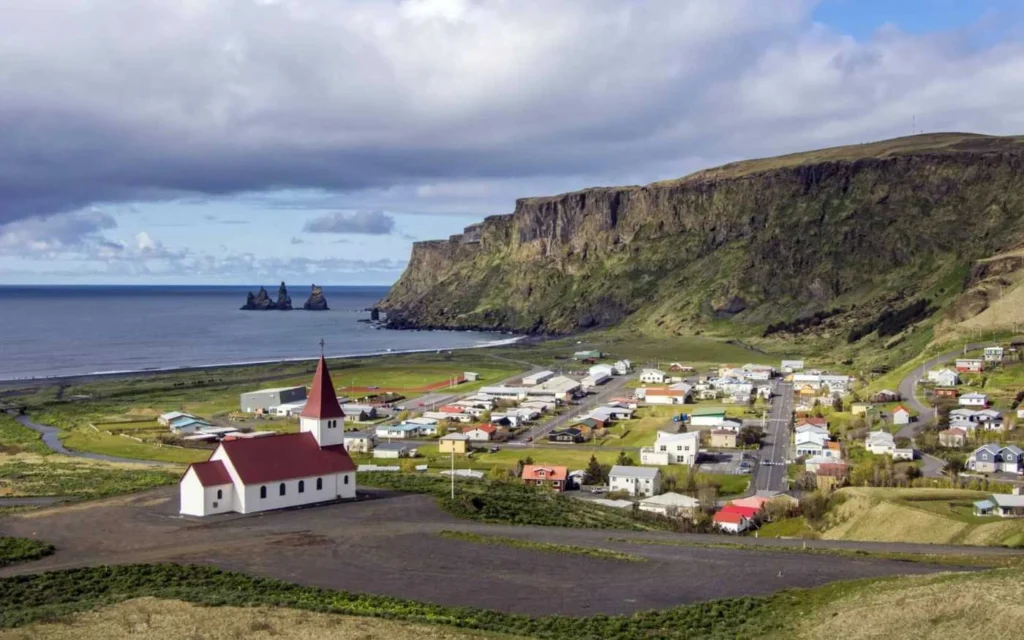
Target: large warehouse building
<point>255,401</point>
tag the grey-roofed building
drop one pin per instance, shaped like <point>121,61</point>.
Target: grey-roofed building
<point>1008,505</point>
<point>263,399</point>
<point>993,458</point>
<point>394,450</point>
<point>360,441</point>
<point>636,481</point>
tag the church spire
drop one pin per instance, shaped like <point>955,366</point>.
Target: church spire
<point>323,401</point>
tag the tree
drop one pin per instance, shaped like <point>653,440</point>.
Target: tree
<point>837,403</point>
<point>592,474</point>
<point>624,460</point>
<point>953,468</point>
<point>527,460</point>
<point>690,483</point>
<point>751,436</point>
<point>806,481</point>
<point>485,416</point>
<point>403,415</point>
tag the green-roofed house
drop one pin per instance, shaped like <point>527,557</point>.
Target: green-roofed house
<point>707,418</point>
<point>587,355</point>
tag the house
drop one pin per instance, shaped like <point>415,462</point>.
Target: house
<point>790,366</point>
<point>679,367</point>
<point>758,372</point>
<point>946,392</point>
<point>707,417</point>
<point>752,502</point>
<point>821,423</point>
<point>291,409</point>
<point>861,408</point>
<point>606,370</point>
<point>552,477</point>
<point>903,454</point>
<point>187,424</point>
<point>587,426</point>
<point>453,443</point>
<point>165,419</point>
<point>403,431</point>
<point>973,400</point>
<point>970,365</point>
<point>993,354</point>
<point>587,355</point>
<point>284,470</point>
<point>360,412</point>
<point>611,413</point>
<point>481,433</point>
<point>953,437</point>
<point>534,379</point>
<point>900,415</point>
<point>672,505</point>
<point>880,443</point>
<point>731,521</point>
<point>672,448</point>
<point>836,383</point>
<point>830,475</point>
<point>441,416</point>
<point>723,439</point>
<point>567,436</point>
<point>813,463</point>
<point>652,376</point>
<point>590,382</point>
<point>984,507</point>
<point>471,376</point>
<point>885,395</point>
<point>810,449</point>
<point>810,433</point>
<point>1008,505</point>
<point>261,400</point>
<point>636,481</point>
<point>993,458</point>
<point>622,367</point>
<point>731,425</point>
<point>944,377</point>
<point>655,395</point>
<point>394,450</point>
<point>359,441</point>
<point>561,388</point>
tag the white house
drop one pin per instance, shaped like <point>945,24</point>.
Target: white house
<point>789,366</point>
<point>636,481</point>
<point>606,370</point>
<point>652,376</point>
<point>622,367</point>
<point>394,450</point>
<point>810,433</point>
<point>945,377</point>
<point>993,354</point>
<point>360,441</point>
<point>758,372</point>
<point>286,470</point>
<point>673,505</point>
<point>166,419</point>
<point>974,400</point>
<point>402,431</point>
<point>672,448</point>
<point>836,383</point>
<point>900,415</point>
<point>592,381</point>
<point>707,418</point>
<point>880,443</point>
<point>482,433</point>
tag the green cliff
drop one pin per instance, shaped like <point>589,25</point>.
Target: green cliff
<point>811,241</point>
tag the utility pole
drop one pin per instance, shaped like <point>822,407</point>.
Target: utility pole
<point>453,472</point>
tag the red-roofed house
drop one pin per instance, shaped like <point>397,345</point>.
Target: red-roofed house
<point>746,511</point>
<point>753,502</point>
<point>547,476</point>
<point>481,432</point>
<point>900,415</point>
<point>731,521</point>
<point>817,422</point>
<point>286,470</point>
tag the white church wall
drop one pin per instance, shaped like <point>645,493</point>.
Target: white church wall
<point>292,498</point>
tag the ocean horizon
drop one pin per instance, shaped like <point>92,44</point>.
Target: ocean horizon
<point>67,330</point>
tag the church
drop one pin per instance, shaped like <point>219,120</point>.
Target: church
<point>280,471</point>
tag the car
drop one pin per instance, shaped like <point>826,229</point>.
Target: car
<point>529,438</point>
<point>495,449</point>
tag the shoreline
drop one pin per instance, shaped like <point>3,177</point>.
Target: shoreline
<point>128,373</point>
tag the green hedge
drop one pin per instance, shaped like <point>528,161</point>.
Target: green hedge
<point>46,596</point>
<point>22,549</point>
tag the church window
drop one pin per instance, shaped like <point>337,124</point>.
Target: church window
<point>346,479</point>
<point>302,486</point>
<point>281,489</point>
<point>319,484</point>
<point>220,494</point>
<point>263,491</point>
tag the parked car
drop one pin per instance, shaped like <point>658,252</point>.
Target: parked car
<point>495,449</point>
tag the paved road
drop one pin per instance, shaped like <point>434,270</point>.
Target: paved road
<point>932,467</point>
<point>51,438</point>
<point>776,445</point>
<point>908,388</point>
<point>613,388</point>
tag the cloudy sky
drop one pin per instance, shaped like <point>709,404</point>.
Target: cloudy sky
<point>248,141</point>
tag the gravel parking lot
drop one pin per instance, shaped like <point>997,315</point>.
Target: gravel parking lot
<point>386,543</point>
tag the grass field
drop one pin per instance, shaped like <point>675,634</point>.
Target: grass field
<point>158,619</point>
<point>33,475</point>
<point>15,438</point>
<point>938,516</point>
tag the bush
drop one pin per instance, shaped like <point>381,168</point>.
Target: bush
<point>22,549</point>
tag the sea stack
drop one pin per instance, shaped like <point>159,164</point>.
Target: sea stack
<point>262,302</point>
<point>316,301</point>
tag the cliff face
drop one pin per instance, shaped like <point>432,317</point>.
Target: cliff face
<point>857,228</point>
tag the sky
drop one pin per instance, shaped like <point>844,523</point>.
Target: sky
<point>252,141</point>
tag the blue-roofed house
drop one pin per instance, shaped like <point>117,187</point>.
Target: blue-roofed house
<point>983,508</point>
<point>400,431</point>
<point>187,424</point>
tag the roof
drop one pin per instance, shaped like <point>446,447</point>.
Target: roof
<point>671,499</point>
<point>542,472</point>
<point>455,436</point>
<point>648,473</point>
<point>974,396</point>
<point>486,428</point>
<point>274,390</point>
<point>706,413</point>
<point>833,445</point>
<point>1008,500</point>
<point>392,446</point>
<point>355,435</point>
<point>753,502</point>
<point>832,469</point>
<point>729,517</point>
<point>900,407</point>
<point>322,402</point>
<point>678,393</point>
<point>723,432</point>
<point>405,426</point>
<point>571,431</point>
<point>173,415</point>
<point>954,431</point>
<point>211,473</point>
<point>745,511</point>
<point>813,422</point>
<point>655,371</point>
<point>984,505</point>
<point>285,456</point>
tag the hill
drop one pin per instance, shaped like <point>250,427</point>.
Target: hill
<point>852,243</point>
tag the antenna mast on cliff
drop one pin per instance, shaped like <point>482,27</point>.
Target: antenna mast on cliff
<point>322,343</point>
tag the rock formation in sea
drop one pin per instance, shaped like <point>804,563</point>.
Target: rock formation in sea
<point>262,302</point>
<point>316,301</point>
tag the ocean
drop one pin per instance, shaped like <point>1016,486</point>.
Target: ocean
<point>50,331</point>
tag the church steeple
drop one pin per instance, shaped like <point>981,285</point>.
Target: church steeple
<point>322,415</point>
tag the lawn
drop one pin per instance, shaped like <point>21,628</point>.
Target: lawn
<point>121,447</point>
<point>787,528</point>
<point>62,476</point>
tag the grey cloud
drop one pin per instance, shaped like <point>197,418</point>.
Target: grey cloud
<point>296,240</point>
<point>237,98</point>
<point>55,233</point>
<point>376,223</point>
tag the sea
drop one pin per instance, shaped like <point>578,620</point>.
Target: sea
<point>50,331</point>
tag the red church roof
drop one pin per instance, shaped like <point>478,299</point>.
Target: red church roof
<point>210,473</point>
<point>285,456</point>
<point>323,401</point>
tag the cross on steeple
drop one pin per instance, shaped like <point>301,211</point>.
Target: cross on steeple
<point>322,343</point>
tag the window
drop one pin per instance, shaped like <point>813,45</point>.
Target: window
<point>280,489</point>
<point>263,491</point>
<point>319,484</point>
<point>346,479</point>
<point>215,504</point>
<point>220,494</point>
<point>302,486</point>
